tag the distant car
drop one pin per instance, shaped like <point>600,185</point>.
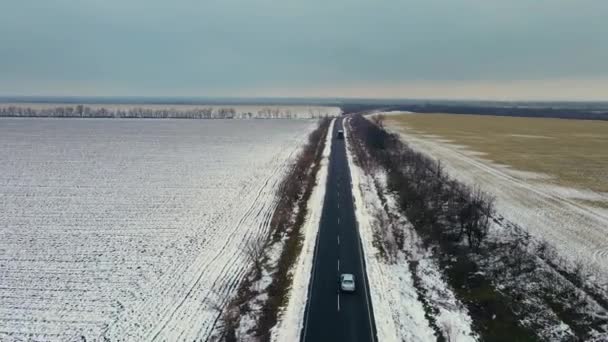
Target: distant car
<point>340,134</point>
<point>347,282</point>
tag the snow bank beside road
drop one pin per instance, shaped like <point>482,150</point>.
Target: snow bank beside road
<point>291,320</point>
<point>398,302</point>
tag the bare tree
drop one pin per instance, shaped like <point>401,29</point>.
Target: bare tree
<point>478,211</point>
<point>255,252</point>
<point>378,120</point>
<point>437,205</point>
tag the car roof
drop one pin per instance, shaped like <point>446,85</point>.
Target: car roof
<point>347,276</point>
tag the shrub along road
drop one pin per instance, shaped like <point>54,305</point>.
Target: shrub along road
<point>331,315</point>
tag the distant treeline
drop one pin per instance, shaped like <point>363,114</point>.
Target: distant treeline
<point>83,111</point>
<point>535,112</point>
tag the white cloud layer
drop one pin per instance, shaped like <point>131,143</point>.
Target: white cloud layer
<point>431,47</point>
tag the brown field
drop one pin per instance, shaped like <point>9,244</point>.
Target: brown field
<point>573,152</point>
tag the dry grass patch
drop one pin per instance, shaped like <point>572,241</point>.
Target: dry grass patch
<point>573,152</point>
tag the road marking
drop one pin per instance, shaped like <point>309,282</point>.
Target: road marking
<point>314,263</point>
<point>365,285</point>
<point>338,240</point>
<point>338,264</point>
<point>338,302</point>
<point>338,219</point>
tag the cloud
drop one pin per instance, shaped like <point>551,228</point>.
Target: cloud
<point>236,46</point>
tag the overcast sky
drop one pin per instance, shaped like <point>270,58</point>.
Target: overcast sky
<point>508,49</point>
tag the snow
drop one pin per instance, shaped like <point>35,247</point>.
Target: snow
<point>291,320</point>
<point>398,311</point>
<point>579,232</point>
<point>132,229</point>
<point>248,322</point>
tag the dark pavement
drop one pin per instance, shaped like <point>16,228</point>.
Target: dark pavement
<point>331,315</point>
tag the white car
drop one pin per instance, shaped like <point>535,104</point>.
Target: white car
<point>347,282</point>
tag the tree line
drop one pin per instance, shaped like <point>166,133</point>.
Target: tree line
<point>286,223</point>
<point>439,207</point>
<point>83,111</point>
<point>582,113</point>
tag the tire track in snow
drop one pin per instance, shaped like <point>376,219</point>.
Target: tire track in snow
<point>227,267</point>
<point>167,317</point>
<point>123,228</point>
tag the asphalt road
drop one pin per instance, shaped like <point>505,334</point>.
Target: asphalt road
<point>331,315</point>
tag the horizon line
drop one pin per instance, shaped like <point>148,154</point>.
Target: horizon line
<point>192,99</point>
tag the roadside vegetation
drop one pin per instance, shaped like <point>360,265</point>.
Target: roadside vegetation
<point>514,287</point>
<point>255,308</point>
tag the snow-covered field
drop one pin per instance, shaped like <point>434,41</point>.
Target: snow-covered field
<point>131,229</point>
<point>398,305</point>
<point>548,212</point>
